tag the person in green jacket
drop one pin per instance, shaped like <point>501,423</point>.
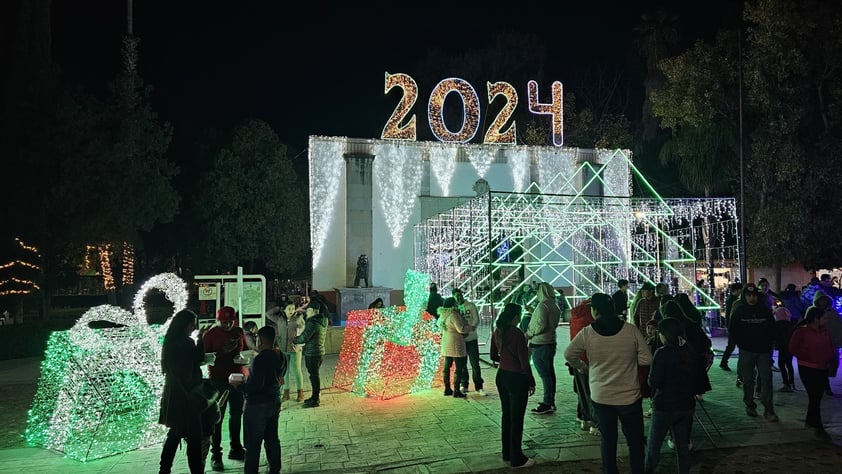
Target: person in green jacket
<point>313,338</point>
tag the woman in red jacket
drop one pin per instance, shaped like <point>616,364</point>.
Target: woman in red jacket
<point>810,344</point>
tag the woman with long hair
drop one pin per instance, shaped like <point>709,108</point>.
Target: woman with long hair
<point>514,381</point>
<point>673,365</point>
<point>810,344</point>
<point>181,357</point>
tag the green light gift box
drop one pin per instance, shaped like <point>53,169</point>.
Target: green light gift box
<point>393,351</point>
<point>100,389</point>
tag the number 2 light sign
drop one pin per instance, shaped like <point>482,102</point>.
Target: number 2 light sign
<point>400,128</point>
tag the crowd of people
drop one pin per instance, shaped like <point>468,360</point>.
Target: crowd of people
<point>250,374</point>
<point>654,347</point>
<point>621,353</point>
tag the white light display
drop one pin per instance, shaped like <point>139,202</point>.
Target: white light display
<point>442,164</point>
<point>519,161</point>
<point>326,165</point>
<point>470,110</point>
<point>556,169</point>
<point>481,158</point>
<point>393,129</point>
<point>396,171</point>
<point>554,108</point>
<point>575,240</point>
<point>100,389</point>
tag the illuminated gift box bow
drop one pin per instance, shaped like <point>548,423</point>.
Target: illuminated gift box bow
<point>100,389</point>
<point>391,351</point>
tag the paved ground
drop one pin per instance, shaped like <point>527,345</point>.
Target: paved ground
<point>427,432</point>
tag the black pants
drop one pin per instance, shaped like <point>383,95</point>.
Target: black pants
<point>814,381</point>
<point>513,388</point>
<point>313,363</point>
<point>476,371</point>
<point>235,419</point>
<point>461,370</point>
<point>197,451</point>
<point>785,365</point>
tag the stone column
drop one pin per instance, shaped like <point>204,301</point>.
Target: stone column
<point>358,167</point>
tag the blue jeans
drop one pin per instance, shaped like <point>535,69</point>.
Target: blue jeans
<point>513,388</point>
<point>746,365</point>
<point>662,423</point>
<point>542,357</point>
<point>631,417</point>
<point>260,424</point>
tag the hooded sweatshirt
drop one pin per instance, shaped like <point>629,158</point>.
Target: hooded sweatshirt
<point>752,326</point>
<point>614,349</point>
<point>544,322</point>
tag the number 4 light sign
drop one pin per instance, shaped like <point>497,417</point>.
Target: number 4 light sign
<point>397,128</point>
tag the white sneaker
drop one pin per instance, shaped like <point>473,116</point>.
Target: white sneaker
<point>594,431</point>
<point>480,393</point>
<point>670,444</point>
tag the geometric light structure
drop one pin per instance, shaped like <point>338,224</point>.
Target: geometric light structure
<point>100,387</point>
<point>586,235</point>
<point>392,351</point>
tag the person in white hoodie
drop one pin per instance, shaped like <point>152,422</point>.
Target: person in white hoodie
<point>614,349</point>
<point>471,315</point>
<point>541,335</point>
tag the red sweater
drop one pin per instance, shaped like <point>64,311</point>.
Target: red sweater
<point>812,347</point>
<point>515,355</point>
<point>224,365</point>
<point>580,317</point>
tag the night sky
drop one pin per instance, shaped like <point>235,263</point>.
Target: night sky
<point>311,68</point>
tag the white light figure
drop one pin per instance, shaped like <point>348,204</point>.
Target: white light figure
<point>326,165</point>
<point>397,169</point>
<point>443,164</point>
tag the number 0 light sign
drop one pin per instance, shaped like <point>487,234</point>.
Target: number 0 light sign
<point>399,127</point>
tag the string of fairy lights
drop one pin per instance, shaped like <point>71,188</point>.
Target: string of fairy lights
<point>21,285</point>
<point>100,388</point>
<point>391,351</point>
<point>575,239</point>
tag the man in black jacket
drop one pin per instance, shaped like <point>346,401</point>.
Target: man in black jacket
<point>621,299</point>
<point>753,331</point>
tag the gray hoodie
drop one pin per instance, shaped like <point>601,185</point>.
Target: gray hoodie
<point>544,322</point>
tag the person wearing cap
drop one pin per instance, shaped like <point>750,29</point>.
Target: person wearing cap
<point>313,337</point>
<point>753,329</point>
<point>226,340</point>
<point>643,306</point>
<point>621,298</point>
<point>615,350</point>
<point>733,297</point>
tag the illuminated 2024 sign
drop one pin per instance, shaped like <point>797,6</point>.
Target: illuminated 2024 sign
<point>399,128</point>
